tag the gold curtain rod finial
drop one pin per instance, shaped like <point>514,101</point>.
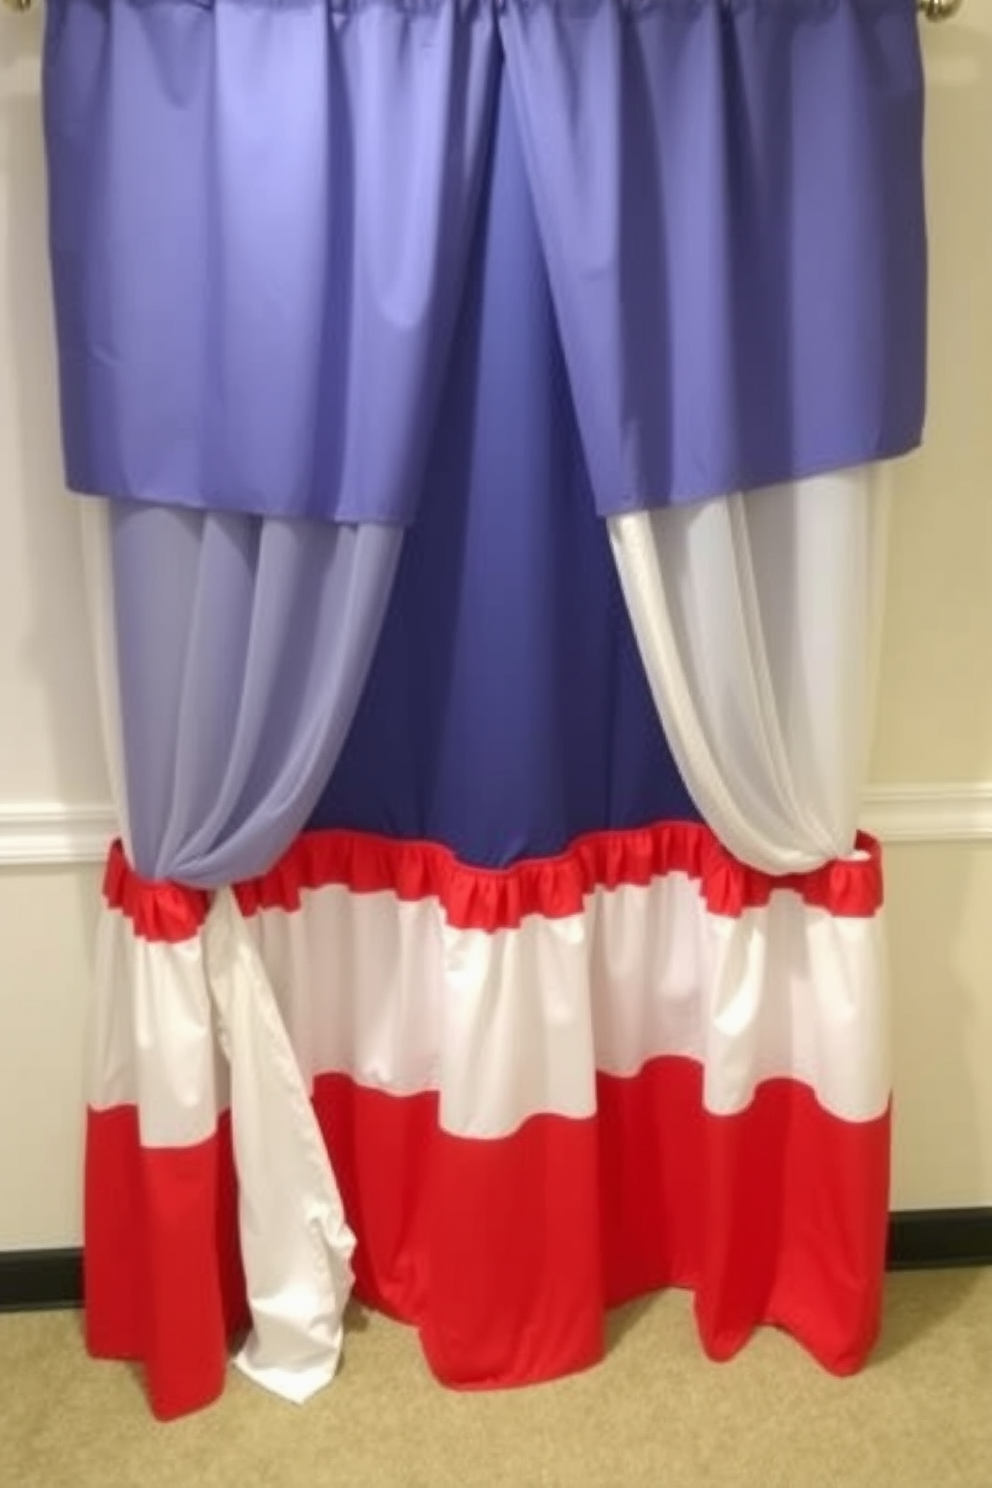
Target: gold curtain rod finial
<point>939,10</point>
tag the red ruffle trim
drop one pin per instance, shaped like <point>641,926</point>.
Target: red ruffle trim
<point>490,899</point>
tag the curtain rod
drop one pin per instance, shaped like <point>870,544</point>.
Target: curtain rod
<point>932,10</point>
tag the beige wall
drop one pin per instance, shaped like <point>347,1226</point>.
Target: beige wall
<point>936,708</point>
<point>934,737</point>
<point>935,718</point>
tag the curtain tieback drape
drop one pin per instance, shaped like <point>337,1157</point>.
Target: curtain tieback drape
<point>190,993</point>
<point>299,1273</point>
<point>189,1036</point>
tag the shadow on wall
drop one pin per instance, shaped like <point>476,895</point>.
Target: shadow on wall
<point>935,715</point>
<point>49,665</point>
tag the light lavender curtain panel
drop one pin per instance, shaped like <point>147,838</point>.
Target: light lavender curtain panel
<point>243,645</point>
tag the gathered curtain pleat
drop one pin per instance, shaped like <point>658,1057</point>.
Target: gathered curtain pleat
<point>261,216</point>
<point>759,621</point>
<point>730,199</point>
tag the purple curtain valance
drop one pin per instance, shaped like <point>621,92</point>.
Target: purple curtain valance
<point>262,213</point>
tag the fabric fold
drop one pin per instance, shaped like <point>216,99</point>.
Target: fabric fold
<point>758,618</point>
<point>732,211</point>
<point>295,1245</point>
<point>277,331</point>
<point>229,726</point>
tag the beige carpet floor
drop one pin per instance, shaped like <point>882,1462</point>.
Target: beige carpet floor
<point>655,1413</point>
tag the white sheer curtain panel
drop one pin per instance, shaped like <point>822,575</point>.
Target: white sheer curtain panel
<point>758,617</point>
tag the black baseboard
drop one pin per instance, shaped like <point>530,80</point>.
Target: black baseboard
<point>40,1280</point>
<point>927,1240</point>
<point>931,1239</point>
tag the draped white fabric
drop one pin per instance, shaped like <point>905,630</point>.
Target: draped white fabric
<point>184,1032</point>
<point>758,617</point>
<point>203,1033</point>
<point>300,1275</point>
